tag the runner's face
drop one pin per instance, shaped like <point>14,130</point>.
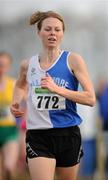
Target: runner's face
<point>4,64</point>
<point>51,32</point>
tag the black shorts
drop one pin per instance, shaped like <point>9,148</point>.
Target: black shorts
<point>62,144</point>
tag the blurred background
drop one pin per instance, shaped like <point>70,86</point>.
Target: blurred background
<point>86,30</point>
<point>87,34</point>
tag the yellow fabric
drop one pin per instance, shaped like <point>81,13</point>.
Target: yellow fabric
<point>7,123</point>
<point>6,118</point>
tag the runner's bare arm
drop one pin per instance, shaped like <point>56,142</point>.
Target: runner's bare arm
<point>20,89</point>
<point>78,67</point>
<point>21,84</point>
<point>87,96</point>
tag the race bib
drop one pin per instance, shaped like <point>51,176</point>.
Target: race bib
<point>43,99</point>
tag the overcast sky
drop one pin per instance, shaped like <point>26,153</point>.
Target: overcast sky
<point>11,9</point>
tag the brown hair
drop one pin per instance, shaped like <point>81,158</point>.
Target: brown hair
<point>4,53</point>
<point>39,16</point>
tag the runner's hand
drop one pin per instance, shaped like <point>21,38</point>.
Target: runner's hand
<point>48,82</point>
<point>16,110</point>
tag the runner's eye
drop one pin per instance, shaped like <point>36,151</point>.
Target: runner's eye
<point>47,29</point>
<point>57,30</point>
